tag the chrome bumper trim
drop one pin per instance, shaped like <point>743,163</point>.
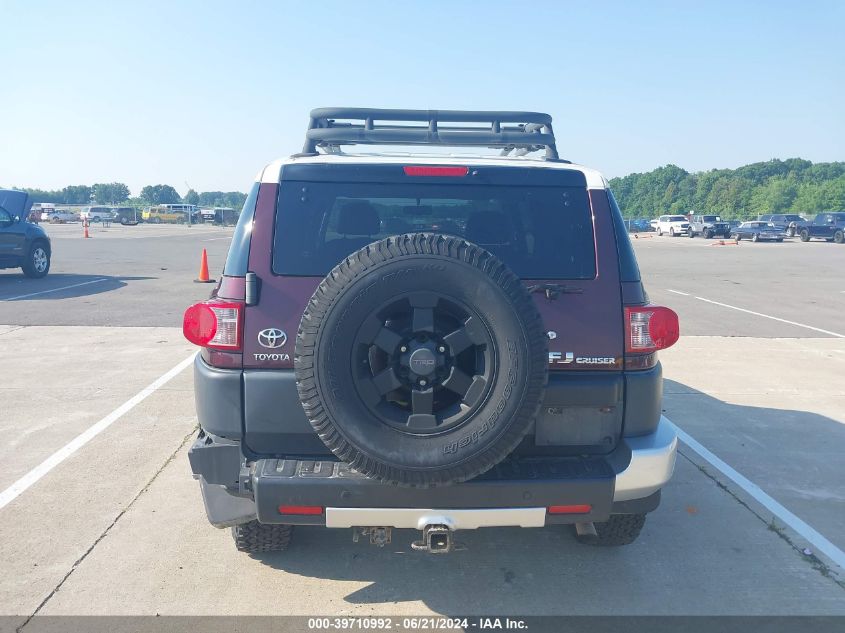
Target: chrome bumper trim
<point>652,463</point>
<point>417,519</point>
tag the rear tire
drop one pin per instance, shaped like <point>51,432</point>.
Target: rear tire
<point>755,237</point>
<point>838,237</point>
<point>805,235</point>
<point>708,234</point>
<point>659,232</point>
<point>620,529</point>
<point>255,537</point>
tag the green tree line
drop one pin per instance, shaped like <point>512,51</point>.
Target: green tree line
<point>776,186</point>
<point>114,193</point>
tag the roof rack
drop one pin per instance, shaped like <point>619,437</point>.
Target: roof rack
<point>528,132</point>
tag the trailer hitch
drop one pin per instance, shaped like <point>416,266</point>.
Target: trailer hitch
<point>436,539</point>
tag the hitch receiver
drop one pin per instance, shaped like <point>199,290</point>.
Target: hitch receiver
<point>436,539</point>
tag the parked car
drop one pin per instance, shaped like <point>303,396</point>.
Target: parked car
<point>673,225</point>
<point>127,216</point>
<point>423,389</point>
<point>59,216</point>
<point>758,231</point>
<point>828,226</point>
<point>790,223</point>
<point>639,225</point>
<point>97,214</point>
<point>225,216</point>
<point>22,244</point>
<point>709,226</point>
<point>207,215</point>
<point>172,213</point>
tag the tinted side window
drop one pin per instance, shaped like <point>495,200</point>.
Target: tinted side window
<point>237,261</point>
<point>628,268</point>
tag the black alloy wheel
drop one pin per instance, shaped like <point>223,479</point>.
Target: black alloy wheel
<point>423,362</point>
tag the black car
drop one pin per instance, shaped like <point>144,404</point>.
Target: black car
<point>22,244</point>
<point>789,223</point>
<point>127,216</point>
<point>829,226</point>
<point>758,231</point>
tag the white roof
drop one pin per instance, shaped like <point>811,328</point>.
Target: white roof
<point>271,173</point>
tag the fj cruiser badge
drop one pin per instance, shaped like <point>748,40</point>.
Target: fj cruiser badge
<point>272,338</point>
<point>558,358</point>
<point>566,358</point>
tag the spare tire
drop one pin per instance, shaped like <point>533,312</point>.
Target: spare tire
<point>421,360</point>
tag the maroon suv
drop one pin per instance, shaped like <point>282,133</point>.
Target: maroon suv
<point>430,342</point>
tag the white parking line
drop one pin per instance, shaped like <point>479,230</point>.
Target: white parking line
<point>808,532</point>
<point>678,292</point>
<point>44,292</point>
<point>773,318</point>
<point>30,478</point>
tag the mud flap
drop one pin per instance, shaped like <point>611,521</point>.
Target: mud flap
<point>225,510</point>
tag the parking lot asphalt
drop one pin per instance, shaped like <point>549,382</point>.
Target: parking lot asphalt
<point>122,275</point>
<point>116,525</point>
<point>791,281</point>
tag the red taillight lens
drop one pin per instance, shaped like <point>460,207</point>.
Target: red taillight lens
<point>213,324</point>
<point>310,510</point>
<point>432,170</point>
<point>581,508</point>
<point>650,328</point>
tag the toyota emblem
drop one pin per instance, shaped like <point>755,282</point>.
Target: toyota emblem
<point>272,338</point>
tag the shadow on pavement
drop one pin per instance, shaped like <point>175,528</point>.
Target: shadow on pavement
<point>60,286</point>
<point>700,528</point>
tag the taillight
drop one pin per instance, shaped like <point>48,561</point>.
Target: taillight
<point>214,324</point>
<point>650,328</point>
<point>433,170</point>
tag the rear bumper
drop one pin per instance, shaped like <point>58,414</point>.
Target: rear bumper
<point>514,493</point>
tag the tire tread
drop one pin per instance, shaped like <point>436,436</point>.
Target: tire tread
<point>358,264</point>
<point>620,529</point>
<point>255,537</point>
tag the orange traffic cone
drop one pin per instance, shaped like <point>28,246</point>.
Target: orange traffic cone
<point>204,278</point>
<point>85,228</point>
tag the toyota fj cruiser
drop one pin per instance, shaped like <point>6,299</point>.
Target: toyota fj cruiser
<point>433,342</point>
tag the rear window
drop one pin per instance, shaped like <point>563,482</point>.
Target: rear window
<point>540,232</point>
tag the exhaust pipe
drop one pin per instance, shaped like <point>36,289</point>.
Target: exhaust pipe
<point>436,539</point>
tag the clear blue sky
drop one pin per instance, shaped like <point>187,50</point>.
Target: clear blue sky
<point>208,92</point>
